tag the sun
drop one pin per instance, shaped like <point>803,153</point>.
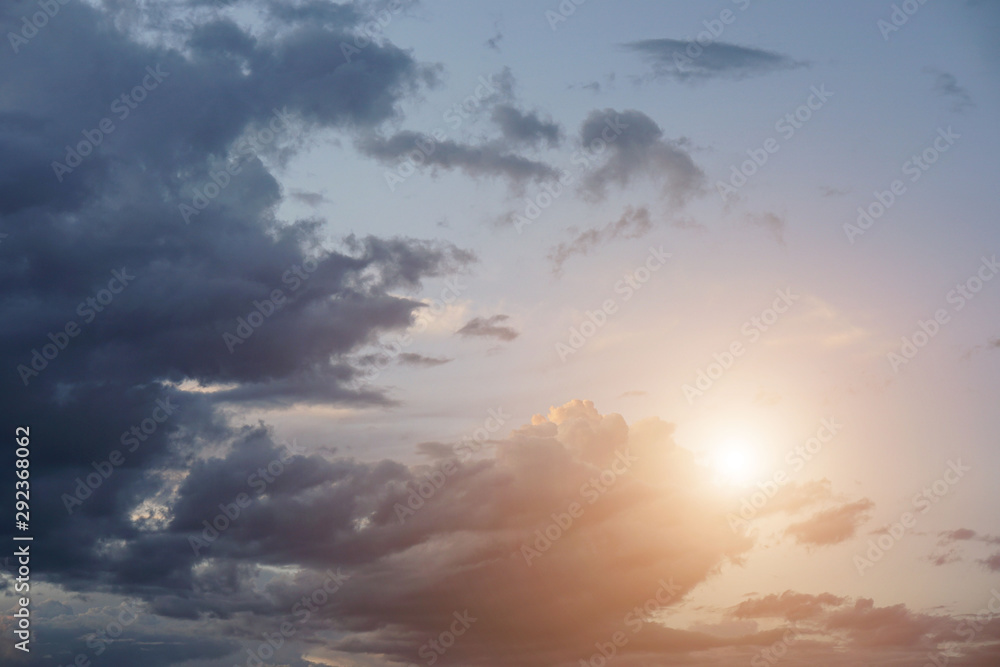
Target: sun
<point>734,462</point>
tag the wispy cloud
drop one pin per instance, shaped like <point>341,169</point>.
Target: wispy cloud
<point>946,85</point>
<point>489,327</point>
<point>670,59</point>
<point>633,223</point>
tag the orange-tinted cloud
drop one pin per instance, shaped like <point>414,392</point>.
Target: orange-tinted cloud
<point>832,526</point>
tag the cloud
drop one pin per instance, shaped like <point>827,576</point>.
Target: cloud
<point>947,552</point>
<point>958,535</point>
<point>412,359</point>
<point>992,563</point>
<point>831,526</point>
<point>477,161</point>
<point>489,327</point>
<point>494,41</point>
<point>464,549</point>
<point>526,128</point>
<point>946,85</point>
<point>796,496</point>
<point>945,558</point>
<point>632,224</point>
<point>771,222</point>
<point>474,544</point>
<point>480,544</point>
<point>312,199</point>
<point>189,282</point>
<point>789,605</point>
<point>635,147</point>
<point>407,150</point>
<point>676,59</point>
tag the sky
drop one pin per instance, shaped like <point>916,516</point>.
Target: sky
<point>400,332</point>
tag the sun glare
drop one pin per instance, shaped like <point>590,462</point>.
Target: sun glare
<point>734,462</point>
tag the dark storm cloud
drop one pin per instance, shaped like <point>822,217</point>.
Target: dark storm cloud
<point>489,327</point>
<point>632,224</point>
<point>526,128</point>
<point>690,61</point>
<point>635,147</point>
<point>103,250</point>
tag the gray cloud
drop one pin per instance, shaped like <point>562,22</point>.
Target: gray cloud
<point>526,128</point>
<point>635,147</point>
<point>486,160</point>
<point>489,327</point>
<point>946,85</point>
<point>675,59</point>
<point>194,282</point>
<point>633,223</point>
<point>413,359</point>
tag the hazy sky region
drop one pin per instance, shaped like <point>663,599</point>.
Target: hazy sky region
<point>402,332</point>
